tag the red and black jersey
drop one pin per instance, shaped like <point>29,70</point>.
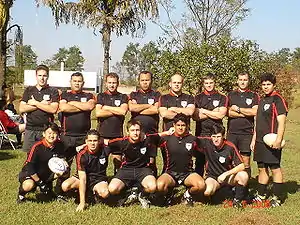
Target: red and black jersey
<point>76,123</point>
<point>149,122</point>
<point>247,99</point>
<point>6,121</point>
<point>219,159</point>
<point>135,155</point>
<point>94,164</point>
<point>172,100</point>
<point>37,118</point>
<point>268,109</point>
<point>177,152</point>
<point>38,157</point>
<point>111,127</point>
<point>208,101</point>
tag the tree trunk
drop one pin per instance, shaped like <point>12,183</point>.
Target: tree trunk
<point>106,40</point>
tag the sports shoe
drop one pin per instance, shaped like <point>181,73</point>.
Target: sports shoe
<point>61,198</point>
<point>20,199</point>
<point>133,195</point>
<point>145,203</point>
<point>236,203</point>
<point>259,198</point>
<point>275,202</point>
<point>188,201</point>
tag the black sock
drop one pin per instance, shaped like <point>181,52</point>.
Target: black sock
<point>144,194</point>
<point>248,170</point>
<point>277,189</point>
<point>262,189</point>
<point>21,191</point>
<point>240,191</point>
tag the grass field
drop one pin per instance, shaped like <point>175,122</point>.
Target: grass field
<point>33,212</point>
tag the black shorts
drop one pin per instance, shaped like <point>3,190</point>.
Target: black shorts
<point>179,178</point>
<point>92,181</point>
<point>70,144</point>
<point>272,166</point>
<point>14,130</point>
<point>265,154</point>
<point>130,176</point>
<point>242,142</point>
<point>23,175</point>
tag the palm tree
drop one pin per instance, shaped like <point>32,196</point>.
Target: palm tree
<point>106,16</point>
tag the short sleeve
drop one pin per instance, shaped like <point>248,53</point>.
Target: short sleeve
<point>63,96</point>
<point>55,95</point>
<point>255,99</point>
<point>124,99</point>
<point>116,146</point>
<point>236,157</point>
<point>280,105</point>
<point>100,99</point>
<point>80,162</point>
<point>198,101</point>
<point>190,100</point>
<point>223,101</point>
<point>154,139</point>
<point>25,97</point>
<point>157,96</point>
<point>132,96</point>
<point>229,97</point>
<point>163,101</point>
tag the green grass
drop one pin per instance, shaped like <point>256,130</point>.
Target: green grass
<point>33,212</point>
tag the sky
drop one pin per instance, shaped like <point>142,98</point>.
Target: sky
<point>273,24</point>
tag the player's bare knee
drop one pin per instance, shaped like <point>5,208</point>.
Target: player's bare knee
<point>160,186</point>
<point>208,191</point>
<point>151,187</point>
<point>104,193</point>
<point>201,185</point>
<point>65,186</point>
<point>28,185</point>
<point>242,178</point>
<point>114,190</point>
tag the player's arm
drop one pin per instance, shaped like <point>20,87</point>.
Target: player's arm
<point>25,108</point>
<point>135,107</point>
<point>198,115</point>
<point>64,106</point>
<point>82,190</point>
<point>152,110</point>
<point>281,120</point>
<point>234,114</point>
<point>166,113</point>
<point>121,110</point>
<point>84,106</point>
<point>100,112</point>
<point>47,106</point>
<point>217,114</point>
<point>234,170</point>
<point>188,111</point>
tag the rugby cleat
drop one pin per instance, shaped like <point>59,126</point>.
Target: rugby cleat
<point>188,201</point>
<point>145,203</point>
<point>20,199</point>
<point>275,202</point>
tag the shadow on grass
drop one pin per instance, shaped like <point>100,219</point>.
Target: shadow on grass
<point>6,155</point>
<point>290,187</point>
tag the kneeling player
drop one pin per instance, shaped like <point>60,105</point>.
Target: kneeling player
<point>178,162</point>
<point>91,168</point>
<point>138,154</point>
<point>224,165</point>
<point>35,171</point>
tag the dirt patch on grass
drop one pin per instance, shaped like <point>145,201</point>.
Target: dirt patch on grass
<point>253,218</point>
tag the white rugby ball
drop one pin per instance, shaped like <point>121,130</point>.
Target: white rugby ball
<point>57,165</point>
<point>270,138</point>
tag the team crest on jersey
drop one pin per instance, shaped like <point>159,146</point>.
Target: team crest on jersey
<point>83,99</point>
<point>222,159</point>
<point>216,103</point>
<point>117,102</point>
<point>143,150</point>
<point>150,101</point>
<point>248,101</point>
<point>184,104</point>
<point>102,161</point>
<point>188,146</point>
<point>266,107</point>
<point>46,97</point>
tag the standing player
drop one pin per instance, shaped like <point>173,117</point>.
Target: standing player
<point>91,170</point>
<point>271,118</point>
<point>175,102</point>
<point>224,164</point>
<point>143,104</point>
<point>111,109</point>
<point>179,148</point>
<point>35,171</point>
<point>39,102</point>
<point>211,107</point>
<point>242,108</point>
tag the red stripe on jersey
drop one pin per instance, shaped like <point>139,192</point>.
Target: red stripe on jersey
<point>64,124</point>
<point>226,101</point>
<point>282,99</point>
<point>123,162</point>
<point>159,101</point>
<point>29,158</point>
<point>164,145</point>
<point>117,139</point>
<point>78,158</point>
<point>235,149</point>
<point>273,118</point>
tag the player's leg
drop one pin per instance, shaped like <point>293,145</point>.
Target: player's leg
<point>165,184</point>
<point>26,185</point>
<point>244,142</point>
<point>115,186</point>
<point>148,182</point>
<point>101,188</point>
<point>70,183</point>
<point>212,185</point>
<point>240,181</point>
<point>199,163</point>
<point>263,179</point>
<point>277,185</point>
<point>195,184</point>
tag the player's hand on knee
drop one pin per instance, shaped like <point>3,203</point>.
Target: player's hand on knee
<point>80,207</point>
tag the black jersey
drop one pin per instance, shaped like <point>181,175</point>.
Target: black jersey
<point>172,100</point>
<point>37,118</point>
<point>247,99</point>
<point>208,101</point>
<point>268,109</point>
<point>94,164</point>
<point>135,155</point>
<point>149,122</point>
<point>38,157</point>
<point>76,123</point>
<point>111,127</point>
<point>219,160</point>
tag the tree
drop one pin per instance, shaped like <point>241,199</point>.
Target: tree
<point>107,16</point>
<point>72,58</point>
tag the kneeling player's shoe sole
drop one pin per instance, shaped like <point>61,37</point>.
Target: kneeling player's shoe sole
<point>236,203</point>
<point>275,202</point>
<point>20,199</point>
<point>145,203</point>
<point>61,198</point>
<point>188,201</point>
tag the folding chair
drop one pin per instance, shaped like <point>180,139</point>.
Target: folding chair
<point>4,137</point>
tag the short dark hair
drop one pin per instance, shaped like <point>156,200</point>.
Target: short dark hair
<point>53,126</point>
<point>113,75</point>
<point>42,67</point>
<point>77,74</point>
<point>133,122</point>
<point>92,132</point>
<point>218,128</point>
<point>145,72</point>
<point>268,77</point>
<point>210,76</point>
<point>181,117</point>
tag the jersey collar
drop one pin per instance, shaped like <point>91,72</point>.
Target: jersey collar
<point>239,90</point>
<point>110,93</point>
<point>46,144</point>
<point>172,93</point>
<point>146,91</point>
<point>209,92</point>
<point>75,92</point>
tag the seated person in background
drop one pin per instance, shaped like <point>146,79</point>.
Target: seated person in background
<point>35,171</point>
<point>224,165</point>
<point>10,126</point>
<point>91,175</point>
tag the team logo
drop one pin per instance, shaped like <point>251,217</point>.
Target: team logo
<point>216,103</point>
<point>221,159</point>
<point>117,102</point>
<point>102,161</point>
<point>150,101</point>
<point>188,146</point>
<point>143,150</point>
<point>266,107</point>
<point>46,97</point>
<point>83,99</point>
<point>248,101</point>
<point>184,104</point>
